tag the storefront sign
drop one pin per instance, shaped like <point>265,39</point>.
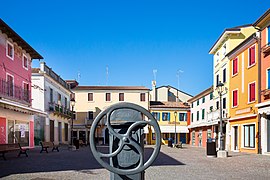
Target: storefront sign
<point>242,111</point>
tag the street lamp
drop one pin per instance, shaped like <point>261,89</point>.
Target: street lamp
<point>175,114</point>
<point>221,153</point>
<point>72,103</point>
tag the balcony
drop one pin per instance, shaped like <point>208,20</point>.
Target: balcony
<point>266,94</point>
<point>60,110</point>
<point>215,114</point>
<point>14,93</point>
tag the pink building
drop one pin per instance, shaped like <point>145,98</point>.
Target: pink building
<point>16,113</point>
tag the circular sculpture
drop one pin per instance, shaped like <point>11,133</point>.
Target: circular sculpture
<point>125,139</point>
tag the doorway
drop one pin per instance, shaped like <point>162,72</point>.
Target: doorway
<point>236,146</point>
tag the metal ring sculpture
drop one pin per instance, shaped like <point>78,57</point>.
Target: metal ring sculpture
<point>125,139</point>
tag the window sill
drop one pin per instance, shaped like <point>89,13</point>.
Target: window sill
<point>252,65</point>
<point>233,75</point>
<point>12,58</point>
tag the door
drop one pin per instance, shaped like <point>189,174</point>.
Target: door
<point>59,132</point>
<point>235,137</point>
<point>200,138</point>
<point>51,130</point>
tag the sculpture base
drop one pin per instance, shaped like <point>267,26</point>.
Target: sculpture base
<point>222,154</point>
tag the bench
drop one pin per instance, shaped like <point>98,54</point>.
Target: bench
<point>4,148</point>
<point>180,145</point>
<point>46,145</point>
<point>82,143</point>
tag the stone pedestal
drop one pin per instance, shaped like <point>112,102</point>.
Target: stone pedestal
<point>222,154</point>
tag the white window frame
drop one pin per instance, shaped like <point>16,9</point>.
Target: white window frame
<point>24,55</point>
<point>249,66</point>
<point>237,66</point>
<point>9,43</point>
<point>243,136</point>
<point>7,74</point>
<point>237,97</point>
<point>249,92</point>
<point>92,96</point>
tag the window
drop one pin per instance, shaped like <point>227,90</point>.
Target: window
<point>59,98</point>
<point>203,99</point>
<point>211,95</point>
<point>251,57</point>
<point>224,75</point>
<point>10,85</point>
<point>224,49</point>
<point>251,90</point>
<point>224,103</point>
<point>165,116</point>
<point>249,136</point>
<point>51,95</point>
<point>198,102</point>
<point>203,111</point>
<point>121,96</point>
<point>182,116</point>
<point>191,105</point>
<point>198,114</point>
<point>217,104</point>
<point>10,50</point>
<point>209,133</point>
<point>108,96</point>
<point>142,96</point>
<point>191,117</point>
<point>268,35</point>
<point>26,91</point>
<point>90,97</point>
<point>66,102</point>
<point>211,108</point>
<point>268,78</point>
<point>235,98</point>
<point>25,62</point>
<point>156,115</point>
<point>217,79</point>
<point>90,115</point>
<point>235,66</point>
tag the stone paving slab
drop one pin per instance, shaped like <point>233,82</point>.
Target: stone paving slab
<point>187,163</point>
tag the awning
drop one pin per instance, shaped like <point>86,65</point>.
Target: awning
<point>171,129</point>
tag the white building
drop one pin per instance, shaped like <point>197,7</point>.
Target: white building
<point>51,94</point>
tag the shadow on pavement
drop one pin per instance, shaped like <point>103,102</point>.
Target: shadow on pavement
<point>81,160</point>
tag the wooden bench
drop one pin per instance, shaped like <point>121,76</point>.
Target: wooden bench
<point>46,145</point>
<point>4,148</point>
<point>82,143</point>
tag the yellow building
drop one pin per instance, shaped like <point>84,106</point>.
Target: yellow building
<point>173,118</point>
<point>228,40</point>
<point>243,92</point>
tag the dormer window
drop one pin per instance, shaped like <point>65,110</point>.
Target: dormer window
<point>10,50</point>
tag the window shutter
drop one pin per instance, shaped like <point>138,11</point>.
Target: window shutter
<point>268,80</point>
<point>235,98</point>
<point>169,116</point>
<point>251,55</point>
<point>252,92</point>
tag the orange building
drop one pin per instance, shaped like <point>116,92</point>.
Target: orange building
<point>263,24</point>
<point>243,94</point>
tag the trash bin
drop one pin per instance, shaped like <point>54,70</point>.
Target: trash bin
<point>76,143</point>
<point>170,142</point>
<point>211,148</point>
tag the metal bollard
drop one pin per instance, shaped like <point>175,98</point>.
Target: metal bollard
<point>126,148</point>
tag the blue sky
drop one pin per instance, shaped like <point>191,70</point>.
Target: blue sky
<point>131,38</point>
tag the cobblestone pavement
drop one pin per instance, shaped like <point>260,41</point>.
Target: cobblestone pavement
<point>187,163</point>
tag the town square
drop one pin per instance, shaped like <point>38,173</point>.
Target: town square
<point>135,90</point>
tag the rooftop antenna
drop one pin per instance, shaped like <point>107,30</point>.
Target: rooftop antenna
<point>178,77</point>
<point>78,76</point>
<point>155,74</point>
<point>107,75</point>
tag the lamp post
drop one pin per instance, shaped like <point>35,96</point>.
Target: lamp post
<point>72,102</point>
<point>221,153</point>
<point>175,114</point>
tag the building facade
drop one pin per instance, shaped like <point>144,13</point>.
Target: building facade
<point>51,95</point>
<point>263,24</point>
<point>16,113</point>
<point>243,91</point>
<point>172,118</point>
<point>202,125</point>
<point>91,100</point>
<point>228,40</point>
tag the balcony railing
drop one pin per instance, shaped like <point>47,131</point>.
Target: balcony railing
<point>56,77</point>
<point>215,114</point>
<point>15,93</point>
<point>60,110</point>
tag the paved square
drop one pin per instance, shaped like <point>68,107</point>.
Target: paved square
<point>187,163</point>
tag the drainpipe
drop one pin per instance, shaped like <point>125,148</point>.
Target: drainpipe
<point>258,38</point>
